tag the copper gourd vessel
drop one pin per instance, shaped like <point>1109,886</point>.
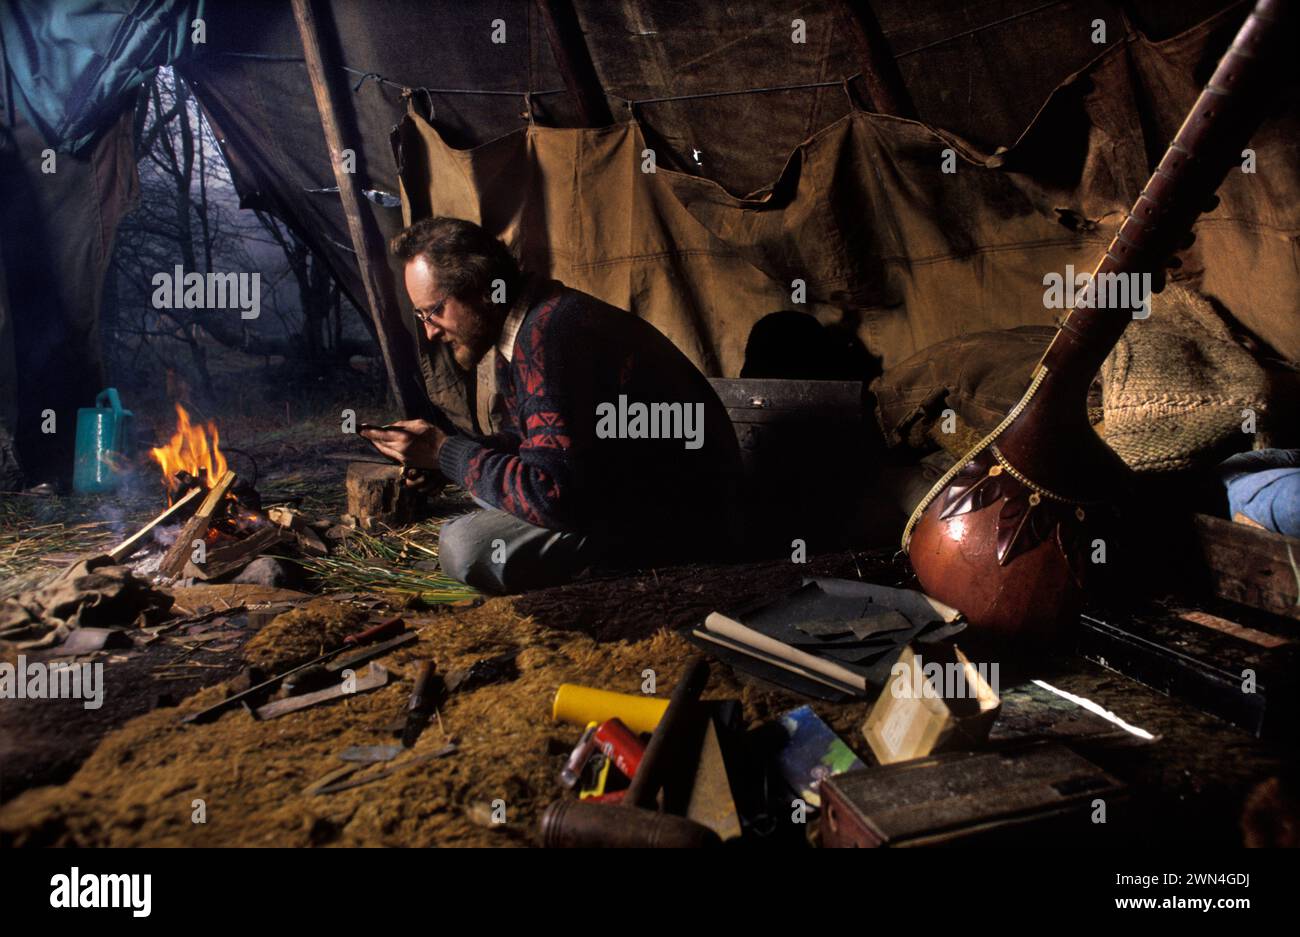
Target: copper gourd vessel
<point>1008,534</point>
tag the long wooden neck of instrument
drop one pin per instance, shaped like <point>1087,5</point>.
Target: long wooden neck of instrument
<point>1206,147</point>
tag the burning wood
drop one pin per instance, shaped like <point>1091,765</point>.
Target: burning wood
<point>196,528</point>
<point>214,505</point>
<point>189,460</point>
<point>175,512</point>
<point>192,461</point>
<point>236,554</point>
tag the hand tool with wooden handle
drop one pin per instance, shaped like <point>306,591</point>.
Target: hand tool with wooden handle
<point>424,700</point>
<point>634,822</point>
<point>384,629</point>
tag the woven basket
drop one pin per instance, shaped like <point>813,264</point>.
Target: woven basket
<point>1178,388</point>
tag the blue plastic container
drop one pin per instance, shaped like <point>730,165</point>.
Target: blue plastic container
<point>103,439</point>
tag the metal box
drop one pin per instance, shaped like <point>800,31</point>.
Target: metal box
<point>962,797</point>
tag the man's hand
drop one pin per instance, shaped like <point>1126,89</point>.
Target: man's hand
<point>427,482</point>
<point>414,443</point>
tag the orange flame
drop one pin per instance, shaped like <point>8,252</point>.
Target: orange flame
<point>189,451</point>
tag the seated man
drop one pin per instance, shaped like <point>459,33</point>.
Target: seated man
<point>613,447</point>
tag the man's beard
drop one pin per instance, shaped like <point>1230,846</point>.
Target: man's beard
<point>469,348</point>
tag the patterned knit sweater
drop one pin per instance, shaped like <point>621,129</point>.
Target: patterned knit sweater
<point>565,460</point>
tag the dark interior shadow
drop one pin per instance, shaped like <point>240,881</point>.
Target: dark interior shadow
<point>794,346</point>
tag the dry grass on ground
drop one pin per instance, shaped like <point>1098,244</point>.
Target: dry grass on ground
<point>139,786</point>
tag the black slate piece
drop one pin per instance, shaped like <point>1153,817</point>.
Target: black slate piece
<point>855,624</point>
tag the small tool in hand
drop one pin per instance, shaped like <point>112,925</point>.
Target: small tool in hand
<point>430,481</point>
<point>385,457</point>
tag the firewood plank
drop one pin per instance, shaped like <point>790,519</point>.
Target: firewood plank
<point>177,510</point>
<point>196,528</point>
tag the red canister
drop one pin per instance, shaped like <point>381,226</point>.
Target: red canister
<point>620,745</point>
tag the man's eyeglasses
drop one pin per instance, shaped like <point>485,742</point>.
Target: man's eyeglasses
<point>423,316</point>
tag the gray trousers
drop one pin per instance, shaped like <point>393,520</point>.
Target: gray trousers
<point>498,553</point>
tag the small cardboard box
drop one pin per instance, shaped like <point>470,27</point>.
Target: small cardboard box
<point>936,701</point>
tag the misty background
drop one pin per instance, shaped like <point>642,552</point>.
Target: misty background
<point>309,351</point>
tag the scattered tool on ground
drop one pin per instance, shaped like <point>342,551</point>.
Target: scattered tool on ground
<point>382,630</point>
<point>319,675</point>
<point>372,679</point>
<point>634,822</point>
<point>369,754</point>
<point>393,768</point>
<point>424,701</point>
<point>578,758</point>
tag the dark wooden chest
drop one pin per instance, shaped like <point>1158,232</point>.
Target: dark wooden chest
<point>807,456</point>
<point>967,797</point>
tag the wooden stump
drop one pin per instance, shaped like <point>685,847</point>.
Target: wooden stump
<point>376,492</point>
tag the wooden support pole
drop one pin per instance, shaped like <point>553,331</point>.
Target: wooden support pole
<point>879,70</point>
<point>574,61</point>
<point>394,340</point>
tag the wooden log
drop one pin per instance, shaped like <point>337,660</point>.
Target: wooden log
<point>176,512</point>
<point>309,542</point>
<point>395,344</point>
<point>376,492</point>
<point>234,556</point>
<point>196,528</point>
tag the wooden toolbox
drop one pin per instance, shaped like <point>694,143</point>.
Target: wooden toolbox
<point>1216,626</point>
<point>1254,567</point>
<point>1231,662</point>
<point>968,797</point>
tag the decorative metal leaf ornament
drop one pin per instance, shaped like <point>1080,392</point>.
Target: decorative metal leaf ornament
<point>1026,518</point>
<point>977,485</point>
<point>1011,523</point>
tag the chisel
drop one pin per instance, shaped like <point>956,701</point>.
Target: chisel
<point>318,675</point>
<point>382,630</point>
<point>424,699</point>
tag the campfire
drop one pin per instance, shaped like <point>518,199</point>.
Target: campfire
<point>214,523</point>
<point>207,503</point>
<point>189,460</point>
<point>193,461</point>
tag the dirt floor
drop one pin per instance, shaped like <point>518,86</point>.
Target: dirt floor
<point>147,781</point>
<point>141,784</point>
<point>45,741</point>
<point>131,773</point>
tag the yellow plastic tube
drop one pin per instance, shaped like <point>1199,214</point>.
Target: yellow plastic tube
<point>583,704</point>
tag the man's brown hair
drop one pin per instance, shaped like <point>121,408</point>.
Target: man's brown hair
<point>466,258</point>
